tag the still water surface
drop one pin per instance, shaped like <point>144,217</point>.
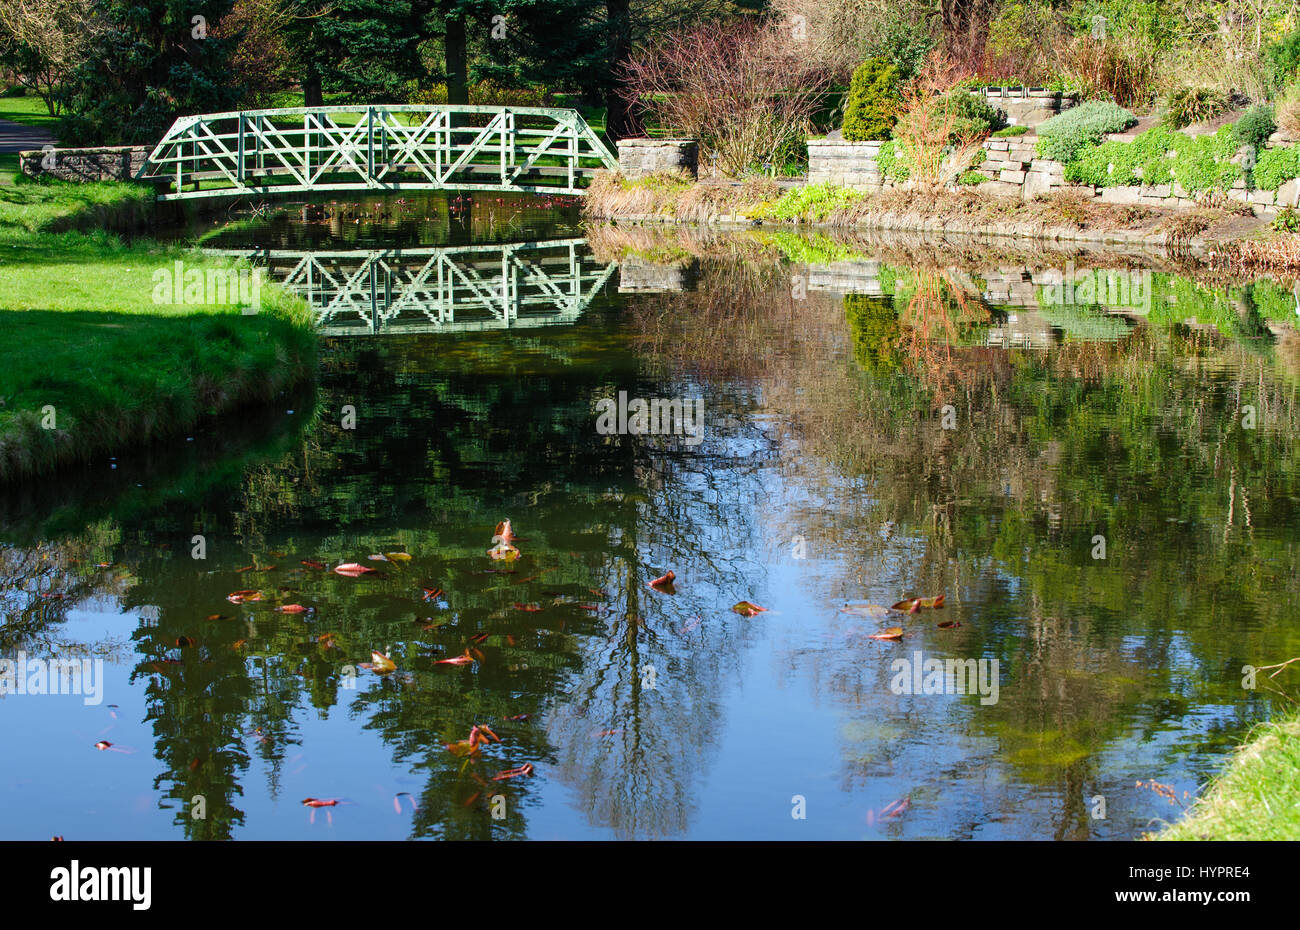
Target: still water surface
<point>875,427</point>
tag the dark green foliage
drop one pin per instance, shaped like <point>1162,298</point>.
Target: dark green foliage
<point>1255,126</point>
<point>147,68</point>
<point>1285,54</point>
<point>874,99</point>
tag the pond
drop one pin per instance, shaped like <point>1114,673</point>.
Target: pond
<point>1095,462</point>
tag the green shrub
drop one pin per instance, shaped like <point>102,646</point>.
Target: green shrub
<point>974,115</point>
<point>972,177</point>
<point>893,162</point>
<point>1275,167</point>
<point>1010,131</point>
<point>1255,126</point>
<point>1285,54</point>
<point>1194,105</point>
<point>1160,156</point>
<point>1202,163</point>
<point>810,202</point>
<point>1066,133</point>
<point>874,100</point>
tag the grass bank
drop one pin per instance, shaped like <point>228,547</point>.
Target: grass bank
<point>91,362</point>
<point>1257,797</point>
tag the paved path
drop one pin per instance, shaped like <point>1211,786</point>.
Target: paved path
<point>15,137</point>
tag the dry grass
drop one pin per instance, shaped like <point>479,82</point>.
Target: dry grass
<point>1278,255</point>
<point>672,194</point>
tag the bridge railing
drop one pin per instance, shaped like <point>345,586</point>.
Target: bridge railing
<point>376,148</point>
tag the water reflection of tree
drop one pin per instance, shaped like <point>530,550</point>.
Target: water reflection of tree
<point>1048,449</point>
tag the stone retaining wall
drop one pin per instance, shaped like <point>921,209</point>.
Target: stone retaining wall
<point>848,164</point>
<point>114,163</point>
<point>640,157</point>
<point>1021,107</point>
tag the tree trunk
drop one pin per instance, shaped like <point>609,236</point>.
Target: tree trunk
<point>457,78</point>
<point>311,89</point>
<point>621,121</point>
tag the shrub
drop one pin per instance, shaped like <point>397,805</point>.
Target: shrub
<point>1197,164</point>
<point>1008,131</point>
<point>1189,105</point>
<point>739,88</point>
<point>1202,163</point>
<point>810,202</point>
<point>972,177</point>
<point>973,114</point>
<point>1275,167</point>
<point>1287,220</point>
<point>1285,54</point>
<point>1288,109</point>
<point>1066,133</point>
<point>1122,68</point>
<point>1255,126</point>
<point>874,101</point>
<point>893,163</point>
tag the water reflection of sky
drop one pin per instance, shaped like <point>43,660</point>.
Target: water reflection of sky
<point>1110,674</point>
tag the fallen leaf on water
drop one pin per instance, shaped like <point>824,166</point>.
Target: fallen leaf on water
<point>352,568</point>
<point>518,717</point>
<point>949,624</point>
<point>527,608</point>
<point>746,609</point>
<point>893,632</point>
<point>912,604</point>
<point>894,808</point>
<point>293,609</point>
<point>246,568</point>
<point>479,638</point>
<point>664,580</point>
<point>432,594</point>
<point>504,532</point>
<point>238,644</point>
<point>216,617</point>
<point>503,551</point>
<point>327,641</point>
<point>525,769</point>
<point>465,659</point>
<point>316,565</point>
<point>398,556</point>
<point>376,557</point>
<point>381,663</point>
<point>240,597</point>
<point>320,802</point>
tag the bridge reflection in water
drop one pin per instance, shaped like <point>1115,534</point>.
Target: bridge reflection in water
<point>446,289</point>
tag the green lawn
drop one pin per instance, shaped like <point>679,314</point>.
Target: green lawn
<point>29,110</point>
<point>1257,797</point>
<point>91,363</point>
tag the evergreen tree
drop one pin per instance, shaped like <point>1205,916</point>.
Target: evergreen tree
<point>155,60</point>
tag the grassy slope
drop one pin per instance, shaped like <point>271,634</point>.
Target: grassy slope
<point>83,335</point>
<point>1255,798</point>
